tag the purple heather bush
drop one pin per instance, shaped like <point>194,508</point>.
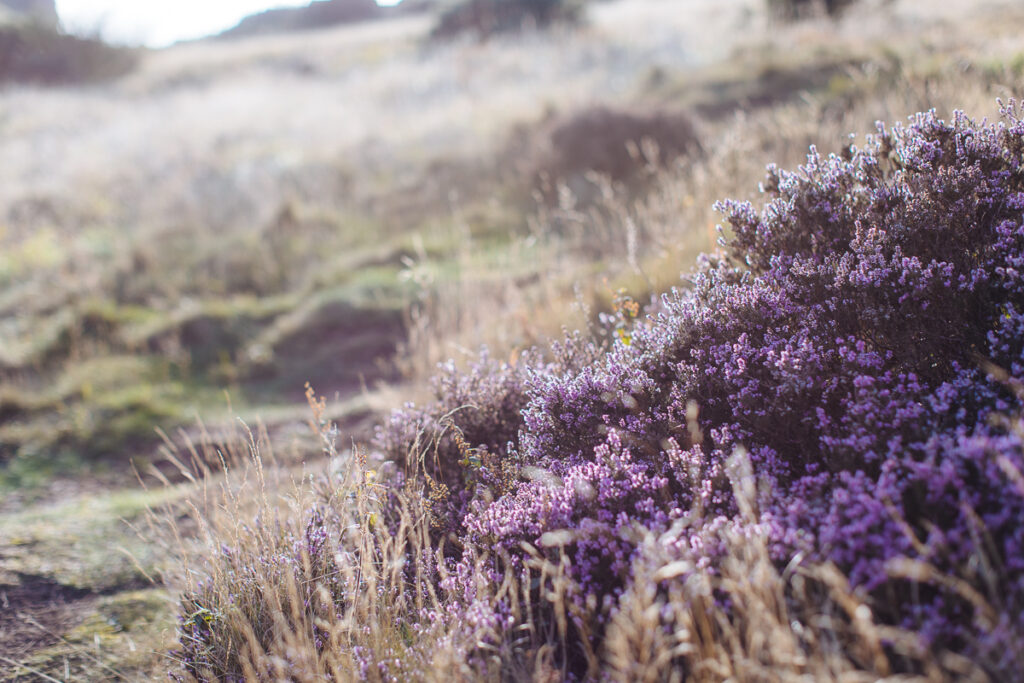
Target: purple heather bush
<point>860,337</point>
<point>852,362</point>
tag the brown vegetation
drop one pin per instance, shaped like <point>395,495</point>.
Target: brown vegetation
<point>575,152</point>
<point>36,54</point>
<point>485,18</point>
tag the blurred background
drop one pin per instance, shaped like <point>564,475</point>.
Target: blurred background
<point>206,205</point>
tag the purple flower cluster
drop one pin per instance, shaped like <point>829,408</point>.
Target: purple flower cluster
<point>861,337</point>
<point>464,443</point>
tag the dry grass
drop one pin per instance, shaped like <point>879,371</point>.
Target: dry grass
<point>373,592</point>
<point>281,608</point>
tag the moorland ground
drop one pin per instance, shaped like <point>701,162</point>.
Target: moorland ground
<point>187,246</point>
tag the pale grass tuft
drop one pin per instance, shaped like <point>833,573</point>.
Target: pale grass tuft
<point>366,590</point>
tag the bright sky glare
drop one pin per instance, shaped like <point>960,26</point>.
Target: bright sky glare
<point>158,23</point>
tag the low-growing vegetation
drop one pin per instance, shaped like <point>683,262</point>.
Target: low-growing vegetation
<point>579,155</point>
<point>556,442</point>
<point>835,399</point>
<point>795,9</point>
<point>485,18</point>
<point>34,53</point>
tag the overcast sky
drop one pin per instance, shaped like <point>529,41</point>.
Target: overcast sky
<point>161,22</point>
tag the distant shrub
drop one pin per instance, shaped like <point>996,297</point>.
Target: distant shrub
<point>35,54</point>
<point>318,14</point>
<point>484,18</point>
<point>616,144</point>
<point>794,9</point>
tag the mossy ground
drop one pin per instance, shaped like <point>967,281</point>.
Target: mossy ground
<point>82,601</point>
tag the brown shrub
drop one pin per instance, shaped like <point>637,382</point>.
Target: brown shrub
<point>35,54</point>
<point>794,9</point>
<point>484,18</point>
<point>617,145</point>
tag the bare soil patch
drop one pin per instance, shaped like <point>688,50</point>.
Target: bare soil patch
<point>36,611</point>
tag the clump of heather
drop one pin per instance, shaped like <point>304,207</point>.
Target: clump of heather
<point>304,578</point>
<point>860,337</point>
<point>817,445</point>
<point>464,445</point>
